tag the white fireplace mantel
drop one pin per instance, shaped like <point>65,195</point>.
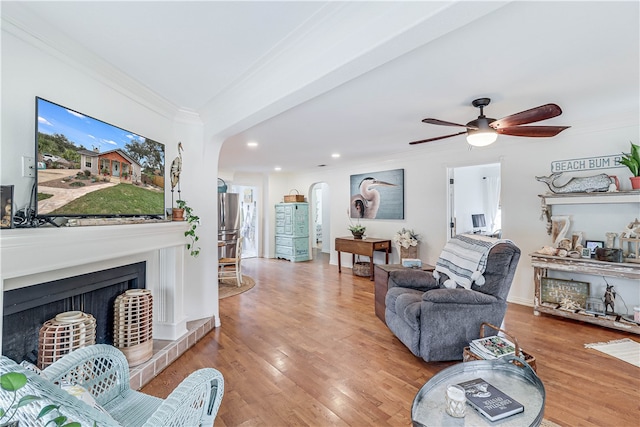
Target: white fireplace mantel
<point>39,255</point>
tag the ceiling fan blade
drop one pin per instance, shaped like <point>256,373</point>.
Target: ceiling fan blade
<point>537,114</point>
<point>436,138</point>
<point>532,131</point>
<point>443,123</point>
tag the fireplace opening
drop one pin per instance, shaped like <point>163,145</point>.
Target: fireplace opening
<point>26,309</point>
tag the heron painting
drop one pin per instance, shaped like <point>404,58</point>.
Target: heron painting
<point>377,195</point>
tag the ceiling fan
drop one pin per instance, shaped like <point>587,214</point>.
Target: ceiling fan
<point>484,130</point>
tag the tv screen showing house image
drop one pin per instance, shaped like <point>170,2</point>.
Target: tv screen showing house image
<point>90,168</point>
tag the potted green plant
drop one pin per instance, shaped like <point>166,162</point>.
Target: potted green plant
<point>14,381</point>
<point>357,230</point>
<point>632,161</point>
<point>193,220</point>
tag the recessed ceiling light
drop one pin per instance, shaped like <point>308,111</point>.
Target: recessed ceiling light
<point>252,144</point>
<point>335,155</point>
<point>277,168</point>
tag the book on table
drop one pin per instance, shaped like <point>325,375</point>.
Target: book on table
<point>489,401</point>
<point>492,347</point>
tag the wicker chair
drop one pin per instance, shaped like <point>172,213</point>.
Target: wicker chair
<point>104,371</point>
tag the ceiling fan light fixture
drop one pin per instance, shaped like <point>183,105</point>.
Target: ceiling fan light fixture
<point>481,137</point>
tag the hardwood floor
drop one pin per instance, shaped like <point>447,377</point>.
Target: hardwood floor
<point>303,347</point>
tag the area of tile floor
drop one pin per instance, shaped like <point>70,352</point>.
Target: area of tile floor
<point>165,352</point>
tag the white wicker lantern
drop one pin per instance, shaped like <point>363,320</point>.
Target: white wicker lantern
<point>61,335</point>
<point>133,325</point>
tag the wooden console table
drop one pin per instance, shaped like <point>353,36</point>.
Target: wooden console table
<point>543,263</point>
<point>365,247</point>
<point>382,284</point>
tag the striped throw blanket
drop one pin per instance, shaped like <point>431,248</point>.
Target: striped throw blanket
<point>464,259</point>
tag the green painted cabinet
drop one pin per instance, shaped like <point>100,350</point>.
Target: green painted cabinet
<point>292,231</point>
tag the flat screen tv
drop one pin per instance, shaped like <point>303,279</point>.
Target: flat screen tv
<point>90,168</point>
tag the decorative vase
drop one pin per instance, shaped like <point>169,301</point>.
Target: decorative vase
<point>177,214</point>
<point>410,252</point>
<point>635,182</point>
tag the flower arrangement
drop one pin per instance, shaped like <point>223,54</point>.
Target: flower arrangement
<point>406,238</point>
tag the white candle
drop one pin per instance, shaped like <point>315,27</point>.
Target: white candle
<point>456,401</point>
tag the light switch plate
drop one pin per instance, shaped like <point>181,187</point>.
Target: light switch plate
<point>28,167</point>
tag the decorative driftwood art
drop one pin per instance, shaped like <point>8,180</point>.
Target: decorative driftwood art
<point>559,228</point>
<point>611,237</point>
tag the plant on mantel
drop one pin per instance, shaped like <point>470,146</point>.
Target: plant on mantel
<point>193,220</point>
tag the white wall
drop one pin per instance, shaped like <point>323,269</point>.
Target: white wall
<point>521,160</point>
<point>30,68</point>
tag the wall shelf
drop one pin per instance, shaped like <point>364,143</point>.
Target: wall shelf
<point>593,198</point>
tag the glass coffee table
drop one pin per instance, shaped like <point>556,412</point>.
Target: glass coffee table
<point>521,383</point>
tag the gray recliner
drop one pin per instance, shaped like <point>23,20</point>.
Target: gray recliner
<point>435,322</point>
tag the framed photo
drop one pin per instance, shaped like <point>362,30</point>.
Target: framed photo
<point>592,245</point>
<point>377,195</point>
<point>586,253</point>
<point>6,206</point>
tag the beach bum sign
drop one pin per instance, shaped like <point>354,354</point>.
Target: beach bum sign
<point>587,163</point>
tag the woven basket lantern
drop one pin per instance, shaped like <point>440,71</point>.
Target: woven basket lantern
<point>133,325</point>
<point>63,334</point>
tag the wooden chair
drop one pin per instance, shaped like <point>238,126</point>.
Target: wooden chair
<point>230,267</point>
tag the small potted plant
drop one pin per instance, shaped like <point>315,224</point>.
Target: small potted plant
<point>632,161</point>
<point>357,230</point>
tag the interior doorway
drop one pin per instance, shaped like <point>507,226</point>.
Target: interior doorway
<point>319,208</point>
<point>474,200</point>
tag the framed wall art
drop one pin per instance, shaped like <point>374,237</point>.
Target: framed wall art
<point>6,206</point>
<point>377,195</point>
<point>559,290</point>
<point>593,245</point>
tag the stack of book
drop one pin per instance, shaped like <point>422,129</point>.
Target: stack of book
<point>492,347</point>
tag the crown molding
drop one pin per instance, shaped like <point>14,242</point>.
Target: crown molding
<point>20,22</point>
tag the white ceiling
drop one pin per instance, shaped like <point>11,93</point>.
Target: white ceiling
<point>358,78</point>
